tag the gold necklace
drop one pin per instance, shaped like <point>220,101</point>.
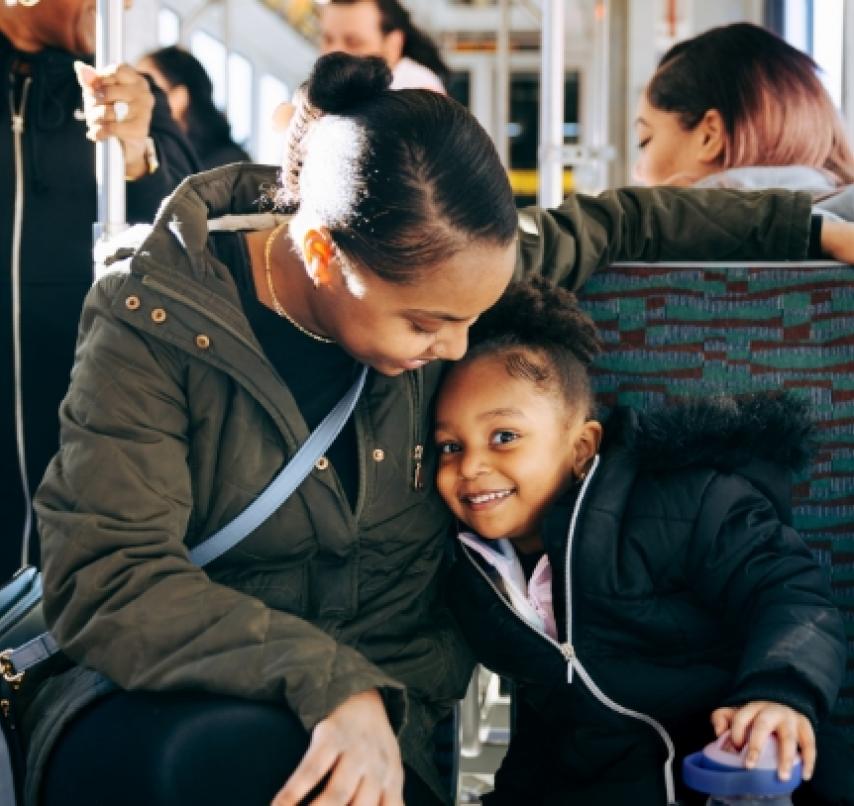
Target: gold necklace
<point>277,306</point>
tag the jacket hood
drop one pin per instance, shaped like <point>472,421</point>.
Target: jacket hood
<point>722,432</point>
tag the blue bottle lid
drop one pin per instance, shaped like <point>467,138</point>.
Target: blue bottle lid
<point>719,770</point>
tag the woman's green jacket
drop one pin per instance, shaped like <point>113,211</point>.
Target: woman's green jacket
<point>175,420</point>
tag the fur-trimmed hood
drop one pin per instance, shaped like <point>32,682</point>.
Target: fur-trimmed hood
<point>724,432</point>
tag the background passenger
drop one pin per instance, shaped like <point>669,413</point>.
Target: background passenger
<point>46,221</point>
<point>738,107</point>
<point>651,566</point>
<point>199,370</point>
<point>384,28</point>
<point>189,91</point>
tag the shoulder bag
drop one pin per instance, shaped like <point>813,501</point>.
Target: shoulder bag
<point>32,654</point>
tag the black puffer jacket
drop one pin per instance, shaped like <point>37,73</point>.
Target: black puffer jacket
<point>678,588</point>
<point>52,178</point>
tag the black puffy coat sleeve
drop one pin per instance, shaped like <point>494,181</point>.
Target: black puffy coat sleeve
<point>177,161</point>
<point>745,563</point>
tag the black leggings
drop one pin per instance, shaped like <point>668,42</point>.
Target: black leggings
<point>182,749</point>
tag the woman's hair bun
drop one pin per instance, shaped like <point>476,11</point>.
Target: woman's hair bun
<point>339,82</point>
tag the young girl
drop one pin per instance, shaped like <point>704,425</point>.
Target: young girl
<point>630,586</point>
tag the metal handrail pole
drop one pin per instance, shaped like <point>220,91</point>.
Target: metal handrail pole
<point>502,83</point>
<point>553,44</point>
<point>599,139</point>
<point>109,159</point>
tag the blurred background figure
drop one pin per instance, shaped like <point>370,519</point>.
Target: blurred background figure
<point>383,28</point>
<point>47,209</point>
<point>739,107</point>
<point>190,94</point>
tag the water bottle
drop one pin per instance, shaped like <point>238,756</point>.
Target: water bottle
<point>718,771</point>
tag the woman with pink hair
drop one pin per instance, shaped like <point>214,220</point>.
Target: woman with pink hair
<point>738,107</point>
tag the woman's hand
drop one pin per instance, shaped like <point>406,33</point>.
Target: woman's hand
<point>118,102</point>
<point>837,240</point>
<point>756,721</point>
<point>354,754</point>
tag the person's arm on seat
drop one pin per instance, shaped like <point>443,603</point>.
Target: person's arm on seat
<point>586,233</point>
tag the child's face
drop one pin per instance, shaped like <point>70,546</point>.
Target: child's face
<point>507,450</point>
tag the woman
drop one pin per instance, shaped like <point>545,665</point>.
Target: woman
<point>738,107</point>
<point>189,91</point>
<point>320,637</point>
<point>384,28</point>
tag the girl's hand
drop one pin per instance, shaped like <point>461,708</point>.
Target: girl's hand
<point>354,755</point>
<point>758,720</point>
<point>837,240</point>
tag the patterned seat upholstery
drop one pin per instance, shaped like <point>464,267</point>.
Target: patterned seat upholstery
<point>696,329</point>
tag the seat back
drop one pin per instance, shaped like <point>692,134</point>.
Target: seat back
<point>674,331</point>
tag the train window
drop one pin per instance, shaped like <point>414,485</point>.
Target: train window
<point>212,54</point>
<point>459,87</point>
<point>827,44</point>
<point>240,97</point>
<point>271,92</point>
<point>815,27</point>
<point>524,130</point>
<point>168,27</point>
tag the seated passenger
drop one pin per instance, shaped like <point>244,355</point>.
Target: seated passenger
<point>206,359</point>
<point>633,579</point>
<point>738,107</point>
<point>189,90</point>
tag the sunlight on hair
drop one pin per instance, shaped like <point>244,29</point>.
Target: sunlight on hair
<point>331,182</point>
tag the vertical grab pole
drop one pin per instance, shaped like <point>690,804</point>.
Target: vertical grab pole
<point>553,43</point>
<point>109,159</point>
<point>601,88</point>
<point>502,83</point>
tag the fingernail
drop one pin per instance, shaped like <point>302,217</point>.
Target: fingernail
<point>785,775</point>
<point>100,95</point>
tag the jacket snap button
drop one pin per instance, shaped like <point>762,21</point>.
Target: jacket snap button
<point>379,454</point>
<point>322,463</point>
<point>203,341</point>
<point>158,315</point>
<point>132,303</point>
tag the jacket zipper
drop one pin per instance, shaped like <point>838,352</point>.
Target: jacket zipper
<point>17,358</point>
<point>417,383</point>
<point>567,649</point>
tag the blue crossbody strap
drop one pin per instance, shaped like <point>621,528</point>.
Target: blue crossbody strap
<point>281,487</point>
<point>43,646</point>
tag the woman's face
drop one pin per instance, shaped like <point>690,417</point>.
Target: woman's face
<point>669,154</point>
<point>176,97</point>
<point>394,328</point>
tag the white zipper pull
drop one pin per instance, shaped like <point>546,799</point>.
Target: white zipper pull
<point>568,651</point>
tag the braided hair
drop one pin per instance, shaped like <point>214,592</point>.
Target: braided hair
<point>542,336</point>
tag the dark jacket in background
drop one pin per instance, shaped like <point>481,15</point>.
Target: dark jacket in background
<point>59,210</point>
<point>680,589</point>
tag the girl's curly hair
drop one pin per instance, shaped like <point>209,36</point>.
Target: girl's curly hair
<point>543,336</point>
